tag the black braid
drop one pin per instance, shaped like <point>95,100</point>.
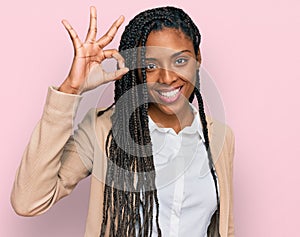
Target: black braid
<point>130,176</point>
<point>205,132</point>
<point>207,145</point>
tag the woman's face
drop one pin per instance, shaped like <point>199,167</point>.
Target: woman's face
<point>171,71</point>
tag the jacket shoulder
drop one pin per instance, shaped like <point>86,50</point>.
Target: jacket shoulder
<point>221,138</point>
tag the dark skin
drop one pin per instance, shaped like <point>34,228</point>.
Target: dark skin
<point>171,73</point>
<point>170,77</point>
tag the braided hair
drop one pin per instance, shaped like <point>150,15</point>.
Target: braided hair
<point>130,194</point>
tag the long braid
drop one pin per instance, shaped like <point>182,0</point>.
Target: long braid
<point>205,133</point>
<point>130,194</point>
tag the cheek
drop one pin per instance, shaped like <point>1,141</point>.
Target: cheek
<point>150,86</point>
<point>151,94</point>
<point>152,77</point>
<point>190,79</point>
<point>187,73</point>
<point>191,85</point>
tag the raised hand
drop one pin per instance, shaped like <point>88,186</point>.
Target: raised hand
<point>86,71</point>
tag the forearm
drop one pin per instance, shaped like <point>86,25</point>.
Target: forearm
<point>37,185</point>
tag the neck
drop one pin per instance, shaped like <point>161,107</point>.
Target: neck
<point>176,121</point>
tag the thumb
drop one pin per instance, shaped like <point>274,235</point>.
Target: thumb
<point>111,76</point>
<point>97,76</point>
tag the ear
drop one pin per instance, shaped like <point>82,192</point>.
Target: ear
<point>198,57</point>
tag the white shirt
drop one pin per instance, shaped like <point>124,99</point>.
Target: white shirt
<point>185,186</point>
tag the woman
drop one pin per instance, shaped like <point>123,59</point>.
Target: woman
<point>145,153</point>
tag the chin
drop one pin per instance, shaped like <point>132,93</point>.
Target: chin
<point>170,109</point>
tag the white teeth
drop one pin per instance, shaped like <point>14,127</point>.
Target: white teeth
<point>169,94</point>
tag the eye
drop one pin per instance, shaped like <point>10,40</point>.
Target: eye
<point>181,61</point>
<point>150,66</point>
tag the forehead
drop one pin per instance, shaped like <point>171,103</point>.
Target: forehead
<point>169,39</point>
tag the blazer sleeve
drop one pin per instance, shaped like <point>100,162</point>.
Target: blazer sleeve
<point>53,162</point>
<point>231,154</point>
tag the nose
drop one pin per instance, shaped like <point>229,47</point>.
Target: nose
<point>167,76</point>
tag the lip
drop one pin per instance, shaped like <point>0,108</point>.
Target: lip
<point>169,95</point>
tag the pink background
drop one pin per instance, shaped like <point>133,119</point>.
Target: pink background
<point>250,48</point>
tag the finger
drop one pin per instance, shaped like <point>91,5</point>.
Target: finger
<point>74,37</point>
<point>116,75</point>
<point>108,53</point>
<point>92,32</point>
<point>120,59</point>
<point>113,53</point>
<point>110,34</point>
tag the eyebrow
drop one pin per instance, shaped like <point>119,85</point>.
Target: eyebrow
<point>181,52</point>
<point>174,55</point>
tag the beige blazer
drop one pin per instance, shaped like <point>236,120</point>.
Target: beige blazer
<point>56,159</point>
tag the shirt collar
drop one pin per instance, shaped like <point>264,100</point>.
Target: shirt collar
<point>196,126</point>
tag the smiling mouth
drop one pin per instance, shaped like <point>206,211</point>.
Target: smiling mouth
<point>170,95</point>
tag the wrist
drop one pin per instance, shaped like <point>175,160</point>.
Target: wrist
<point>67,88</point>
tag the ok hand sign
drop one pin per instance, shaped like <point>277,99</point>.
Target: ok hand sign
<point>86,71</point>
